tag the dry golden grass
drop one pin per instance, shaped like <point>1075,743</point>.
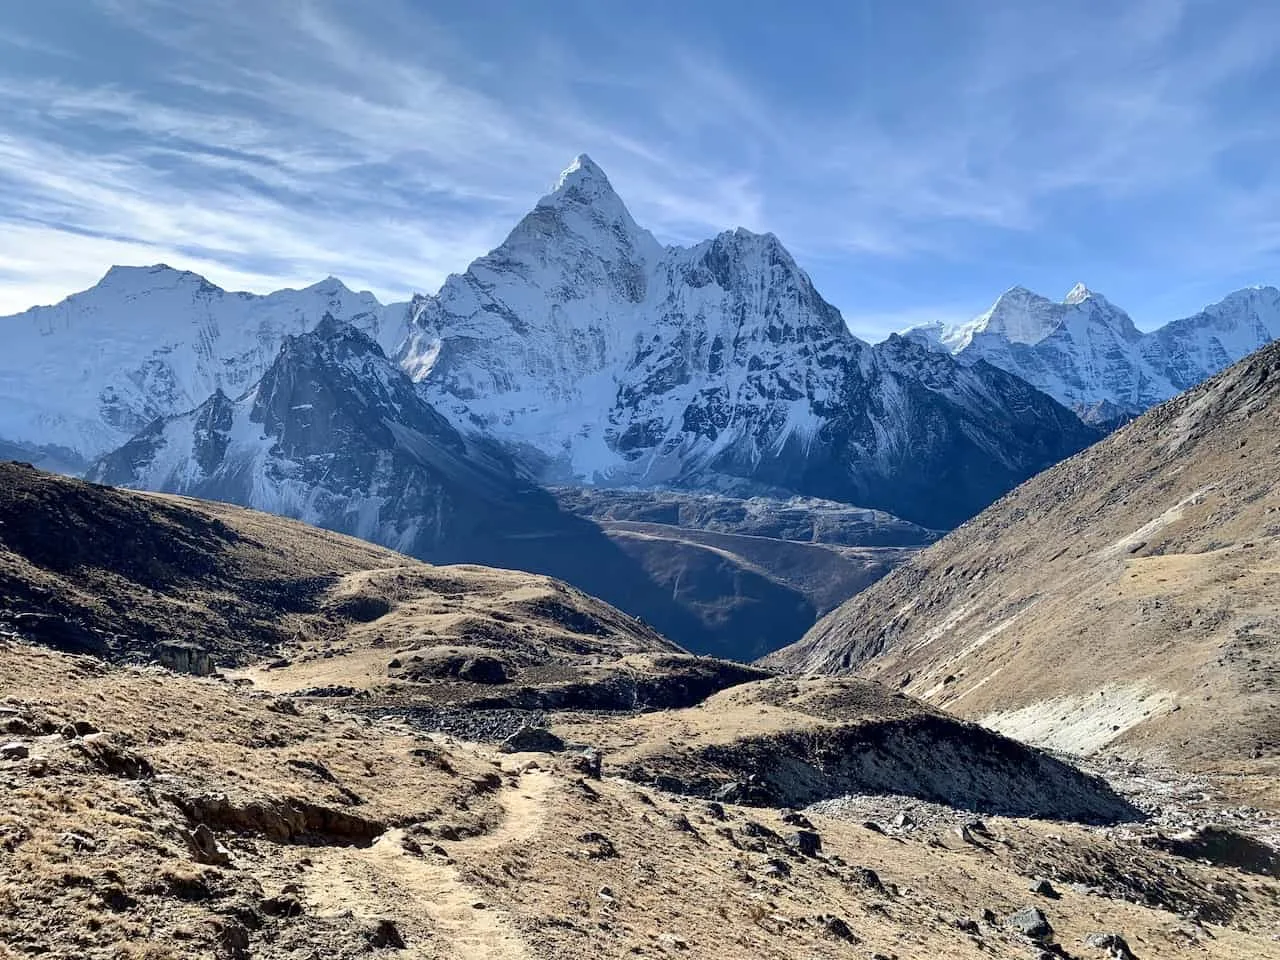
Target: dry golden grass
<point>1126,599</point>
<point>461,826</point>
<point>133,570</point>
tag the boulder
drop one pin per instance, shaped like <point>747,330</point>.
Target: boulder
<point>588,763</point>
<point>1031,923</point>
<point>1112,944</point>
<point>483,670</point>
<point>532,740</point>
<point>182,657</point>
<point>1044,888</point>
<point>205,847</point>
<point>838,928</point>
<point>807,843</point>
<point>383,935</point>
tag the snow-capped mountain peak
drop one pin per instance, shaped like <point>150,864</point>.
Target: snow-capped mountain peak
<point>129,280</point>
<point>1078,294</point>
<point>599,356</point>
<point>1021,316</point>
<point>84,375</point>
<point>583,179</point>
<point>1087,353</point>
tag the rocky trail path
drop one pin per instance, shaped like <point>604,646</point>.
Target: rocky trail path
<point>427,898</point>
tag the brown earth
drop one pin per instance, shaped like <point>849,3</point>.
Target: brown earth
<point>116,573</point>
<point>209,819</point>
<point>306,803</point>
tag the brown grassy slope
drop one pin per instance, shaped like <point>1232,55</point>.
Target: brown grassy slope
<point>794,742</point>
<point>1128,597</point>
<point>114,572</point>
<point>332,824</point>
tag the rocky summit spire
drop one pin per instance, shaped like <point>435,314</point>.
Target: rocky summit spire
<point>583,183</point>
<point>1078,294</point>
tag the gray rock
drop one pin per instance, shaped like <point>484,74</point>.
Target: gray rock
<point>182,657</point>
<point>866,877</point>
<point>205,848</point>
<point>732,792</point>
<point>836,927</point>
<point>532,740</point>
<point>750,828</point>
<point>588,763</point>
<point>484,670</point>
<point>15,751</point>
<point>234,939</point>
<point>1114,945</point>
<point>669,784</point>
<point>78,728</point>
<point>384,935</point>
<point>1031,923</point>
<point>599,847</point>
<point>805,842</point>
<point>79,842</point>
<point>1044,888</point>
<point>283,906</point>
<point>777,868</point>
<point>794,819</point>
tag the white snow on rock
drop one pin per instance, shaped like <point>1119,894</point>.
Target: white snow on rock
<point>146,342</point>
<point>1086,352</point>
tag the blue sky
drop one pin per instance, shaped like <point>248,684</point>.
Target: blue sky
<point>917,158</point>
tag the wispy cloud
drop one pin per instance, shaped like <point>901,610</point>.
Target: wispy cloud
<point>919,154</point>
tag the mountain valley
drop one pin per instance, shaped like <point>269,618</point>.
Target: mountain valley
<point>459,762</point>
<point>578,353</point>
<point>409,552</point>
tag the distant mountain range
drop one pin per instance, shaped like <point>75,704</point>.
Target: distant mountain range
<point>584,349</point>
<point>80,378</point>
<point>1086,353</point>
<point>580,352</point>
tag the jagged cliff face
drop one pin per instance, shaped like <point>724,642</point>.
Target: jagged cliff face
<point>85,375</point>
<point>333,434</point>
<point>1086,352</point>
<point>598,356</point>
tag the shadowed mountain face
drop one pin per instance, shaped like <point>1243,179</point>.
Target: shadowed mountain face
<point>337,436</point>
<point>87,568</point>
<point>1124,599</point>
